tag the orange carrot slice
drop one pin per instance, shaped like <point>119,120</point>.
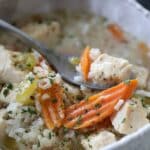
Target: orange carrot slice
<point>98,107</point>
<point>52,107</point>
<point>117,33</point>
<point>104,112</point>
<point>85,120</point>
<point>85,63</point>
<point>99,101</point>
<point>144,47</point>
<point>102,125</point>
<point>46,115</point>
<point>94,97</point>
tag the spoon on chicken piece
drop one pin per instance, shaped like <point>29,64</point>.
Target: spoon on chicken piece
<point>57,61</point>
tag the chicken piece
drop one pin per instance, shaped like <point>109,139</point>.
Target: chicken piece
<point>130,117</point>
<point>109,70</point>
<point>2,124</point>
<point>47,33</point>
<point>8,73</point>
<point>98,141</point>
<point>145,98</point>
<point>141,74</point>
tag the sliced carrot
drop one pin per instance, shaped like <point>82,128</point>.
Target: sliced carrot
<point>101,95</point>
<point>143,46</point>
<point>117,33</point>
<point>52,107</point>
<point>105,101</point>
<point>102,125</point>
<point>144,49</point>
<point>99,101</point>
<point>130,87</point>
<point>89,118</point>
<point>85,63</point>
<point>56,92</point>
<point>47,117</point>
<point>105,112</point>
<point>94,97</point>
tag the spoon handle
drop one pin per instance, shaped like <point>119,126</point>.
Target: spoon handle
<point>49,54</point>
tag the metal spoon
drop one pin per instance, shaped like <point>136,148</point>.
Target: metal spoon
<point>59,62</point>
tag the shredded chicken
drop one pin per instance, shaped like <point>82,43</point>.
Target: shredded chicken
<point>8,73</point>
<point>98,141</point>
<point>109,70</point>
<point>130,118</point>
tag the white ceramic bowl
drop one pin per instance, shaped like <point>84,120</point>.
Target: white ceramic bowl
<point>128,14</point>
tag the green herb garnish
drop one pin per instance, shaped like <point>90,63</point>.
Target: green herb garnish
<point>145,102</point>
<point>38,144</point>
<point>97,106</point>
<point>49,135</point>
<point>9,86</point>
<point>123,120</point>
<point>10,112</point>
<point>30,79</point>
<point>29,110</point>
<point>79,97</point>
<point>5,92</point>
<point>54,100</point>
<point>127,82</point>
<point>79,120</point>
<point>65,130</point>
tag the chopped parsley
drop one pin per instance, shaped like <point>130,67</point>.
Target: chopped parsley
<point>79,97</point>
<point>38,144</point>
<point>66,89</point>
<point>65,130</point>
<point>26,131</point>
<point>97,106</point>
<point>123,120</point>
<point>52,75</point>
<point>9,86</point>
<point>131,126</point>
<point>87,98</point>
<point>148,115</point>
<point>71,36</point>
<point>98,114</point>
<point>10,112</point>
<point>133,103</point>
<point>79,120</point>
<point>30,79</point>
<point>104,19</point>
<point>145,102</point>
<point>7,89</point>
<point>5,92</point>
<point>29,110</point>
<point>86,111</point>
<point>49,135</point>
<point>127,82</point>
<point>63,142</point>
<point>90,146</point>
<point>54,100</point>
<point>51,80</point>
<point>28,65</point>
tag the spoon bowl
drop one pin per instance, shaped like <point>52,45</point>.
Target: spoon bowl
<point>59,62</point>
